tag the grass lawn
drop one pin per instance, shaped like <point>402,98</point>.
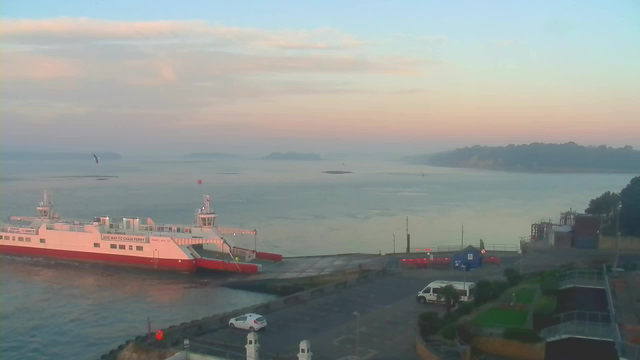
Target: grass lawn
<point>497,317</point>
<point>526,295</point>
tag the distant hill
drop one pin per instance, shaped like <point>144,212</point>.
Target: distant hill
<point>569,157</point>
<point>205,155</point>
<point>18,155</point>
<point>292,156</point>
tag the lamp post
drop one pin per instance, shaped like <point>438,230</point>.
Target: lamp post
<point>464,277</point>
<point>615,263</point>
<point>394,243</point>
<point>357,314</point>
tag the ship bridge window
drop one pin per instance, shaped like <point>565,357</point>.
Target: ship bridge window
<point>20,238</point>
<point>97,245</point>
<point>130,247</point>
<point>122,247</point>
<point>42,241</point>
<point>27,239</point>
<point>7,237</point>
<point>138,248</point>
<point>114,246</point>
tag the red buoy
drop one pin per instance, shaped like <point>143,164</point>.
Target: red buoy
<point>159,334</point>
<point>199,182</point>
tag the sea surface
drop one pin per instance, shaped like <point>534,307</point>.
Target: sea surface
<point>61,310</point>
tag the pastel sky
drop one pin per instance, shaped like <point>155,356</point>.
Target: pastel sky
<point>253,76</point>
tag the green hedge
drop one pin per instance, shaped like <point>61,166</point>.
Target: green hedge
<point>550,285</point>
<point>546,306</point>
<point>521,334</point>
<point>449,331</point>
<point>513,276</point>
<point>499,286</point>
<point>465,308</point>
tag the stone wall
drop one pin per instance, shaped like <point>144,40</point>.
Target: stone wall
<point>509,348</point>
<point>626,243</point>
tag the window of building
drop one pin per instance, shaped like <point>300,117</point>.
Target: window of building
<point>20,238</point>
<point>27,239</point>
<point>122,247</point>
<point>138,248</point>
<point>96,245</point>
<point>130,247</point>
<point>42,241</point>
<point>114,246</point>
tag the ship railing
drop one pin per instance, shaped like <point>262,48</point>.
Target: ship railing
<point>27,230</point>
<point>67,227</point>
<point>230,231</point>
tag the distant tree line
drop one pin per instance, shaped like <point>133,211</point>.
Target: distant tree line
<point>627,203</point>
<point>537,156</point>
<point>23,156</point>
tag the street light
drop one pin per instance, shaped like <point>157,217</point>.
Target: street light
<point>394,243</point>
<point>615,264</point>
<point>357,314</point>
<point>464,277</point>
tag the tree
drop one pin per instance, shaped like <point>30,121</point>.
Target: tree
<point>604,205</point>
<point>450,297</point>
<point>630,210</point>
<point>513,276</point>
<point>484,291</point>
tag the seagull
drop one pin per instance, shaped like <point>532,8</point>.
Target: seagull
<point>96,158</point>
<point>343,164</point>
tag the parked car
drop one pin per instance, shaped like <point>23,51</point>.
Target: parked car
<point>251,322</point>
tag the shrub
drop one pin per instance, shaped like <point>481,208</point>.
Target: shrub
<point>543,312</point>
<point>484,292</point>
<point>449,331</point>
<point>499,286</point>
<point>451,317</point>
<point>546,306</point>
<point>520,334</point>
<point>428,316</point>
<point>513,276</point>
<point>429,323</point>
<point>550,285</point>
<point>465,308</point>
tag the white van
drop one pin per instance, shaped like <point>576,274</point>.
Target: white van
<point>430,294</point>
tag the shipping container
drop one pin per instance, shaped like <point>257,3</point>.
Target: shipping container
<point>585,241</point>
<point>586,225</point>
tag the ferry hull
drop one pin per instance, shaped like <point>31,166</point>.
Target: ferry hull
<point>188,266</point>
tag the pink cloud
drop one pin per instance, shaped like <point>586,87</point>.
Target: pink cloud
<point>93,30</point>
<point>18,65</point>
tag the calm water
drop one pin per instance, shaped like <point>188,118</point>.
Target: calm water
<point>62,310</point>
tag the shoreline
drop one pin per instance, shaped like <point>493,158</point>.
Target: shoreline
<point>542,170</point>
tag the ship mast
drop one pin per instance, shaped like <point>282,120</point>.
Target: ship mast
<point>45,207</point>
<point>204,216</point>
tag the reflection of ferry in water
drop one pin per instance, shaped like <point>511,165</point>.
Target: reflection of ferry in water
<point>130,241</point>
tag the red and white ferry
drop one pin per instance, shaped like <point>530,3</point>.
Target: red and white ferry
<point>130,241</point>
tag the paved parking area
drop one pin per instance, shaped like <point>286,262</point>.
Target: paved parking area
<point>387,309</point>
<point>386,325</point>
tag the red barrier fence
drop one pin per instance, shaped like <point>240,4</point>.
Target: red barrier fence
<point>426,262</point>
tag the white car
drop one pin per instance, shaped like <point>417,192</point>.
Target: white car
<point>252,322</point>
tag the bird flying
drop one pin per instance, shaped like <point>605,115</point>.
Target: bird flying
<point>96,158</point>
